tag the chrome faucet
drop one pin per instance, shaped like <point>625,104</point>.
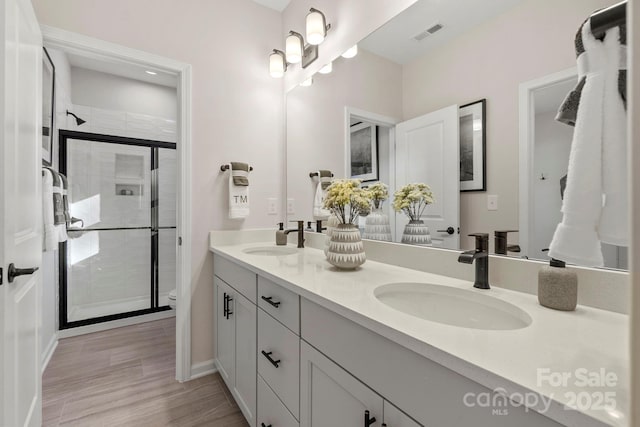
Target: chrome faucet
<point>300,231</point>
<point>481,256</point>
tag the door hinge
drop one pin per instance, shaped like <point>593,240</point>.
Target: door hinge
<point>180,241</point>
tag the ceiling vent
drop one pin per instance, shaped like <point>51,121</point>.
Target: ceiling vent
<point>429,31</point>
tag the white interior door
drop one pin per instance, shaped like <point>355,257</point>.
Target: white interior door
<point>427,150</point>
<point>20,215</point>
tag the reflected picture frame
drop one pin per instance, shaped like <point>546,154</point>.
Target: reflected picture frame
<point>473,146</point>
<point>363,150</point>
<point>48,107</point>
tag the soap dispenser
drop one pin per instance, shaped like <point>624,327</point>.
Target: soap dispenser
<point>558,286</point>
<point>281,237</point>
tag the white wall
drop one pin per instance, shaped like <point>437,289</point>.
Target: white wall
<point>351,21</point>
<point>111,92</point>
<point>491,61</point>
<point>237,108</point>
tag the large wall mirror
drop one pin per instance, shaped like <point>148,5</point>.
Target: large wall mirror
<point>457,95</point>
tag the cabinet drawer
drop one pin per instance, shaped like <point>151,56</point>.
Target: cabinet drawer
<point>279,344</point>
<point>279,302</point>
<point>271,411</point>
<point>239,278</point>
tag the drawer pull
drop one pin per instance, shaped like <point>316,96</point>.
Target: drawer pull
<point>225,305</point>
<point>262,425</point>
<point>368,420</point>
<point>270,300</point>
<point>270,359</point>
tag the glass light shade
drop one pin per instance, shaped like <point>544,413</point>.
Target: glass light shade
<point>293,48</point>
<point>276,65</point>
<point>326,69</point>
<point>307,82</point>
<point>316,27</point>
<point>351,52</point>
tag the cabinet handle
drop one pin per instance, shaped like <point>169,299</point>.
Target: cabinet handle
<point>270,359</point>
<point>224,305</point>
<point>262,425</point>
<point>229,312</point>
<point>270,300</point>
<point>368,420</point>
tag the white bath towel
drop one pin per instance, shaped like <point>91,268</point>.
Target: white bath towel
<point>49,231</point>
<point>595,200</point>
<point>319,212</point>
<point>238,196</point>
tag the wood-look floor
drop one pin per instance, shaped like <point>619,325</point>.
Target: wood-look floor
<point>126,377</point>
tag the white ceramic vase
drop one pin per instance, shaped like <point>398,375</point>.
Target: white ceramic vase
<point>416,233</point>
<point>377,225</point>
<point>332,223</point>
<point>346,250</point>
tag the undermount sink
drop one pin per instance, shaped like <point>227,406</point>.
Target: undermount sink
<point>452,306</point>
<point>270,251</point>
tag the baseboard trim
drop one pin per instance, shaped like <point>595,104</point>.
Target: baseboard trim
<point>51,348</point>
<point>203,368</point>
<point>128,321</point>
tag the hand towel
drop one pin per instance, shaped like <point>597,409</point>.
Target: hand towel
<point>240,178</point>
<point>49,231</point>
<point>238,192</point>
<point>595,204</point>
<point>319,211</point>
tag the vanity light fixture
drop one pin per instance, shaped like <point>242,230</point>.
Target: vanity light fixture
<point>277,64</point>
<point>326,69</point>
<point>317,26</point>
<point>294,47</point>
<point>307,82</point>
<point>351,52</point>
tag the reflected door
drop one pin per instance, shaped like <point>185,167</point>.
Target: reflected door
<point>123,250</point>
<point>427,151</point>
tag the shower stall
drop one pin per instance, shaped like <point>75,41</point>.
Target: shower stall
<point>120,257</point>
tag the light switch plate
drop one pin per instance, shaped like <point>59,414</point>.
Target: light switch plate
<point>492,202</point>
<point>291,206</point>
<point>272,206</point>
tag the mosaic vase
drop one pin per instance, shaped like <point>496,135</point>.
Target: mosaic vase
<point>346,250</point>
<point>416,233</point>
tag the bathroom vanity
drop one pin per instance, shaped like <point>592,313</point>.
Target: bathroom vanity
<point>300,343</point>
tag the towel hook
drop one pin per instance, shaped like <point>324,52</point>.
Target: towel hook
<point>226,168</point>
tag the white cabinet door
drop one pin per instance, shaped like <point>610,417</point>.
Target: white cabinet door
<point>225,332</point>
<point>427,150</point>
<point>20,213</point>
<point>330,396</point>
<point>393,417</point>
<point>244,313</point>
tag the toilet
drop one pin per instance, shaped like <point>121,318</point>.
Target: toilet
<point>172,299</point>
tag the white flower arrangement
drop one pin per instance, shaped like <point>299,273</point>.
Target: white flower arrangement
<point>379,193</point>
<point>413,199</point>
<point>347,200</point>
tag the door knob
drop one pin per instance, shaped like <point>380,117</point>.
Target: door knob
<point>449,230</point>
<point>14,272</point>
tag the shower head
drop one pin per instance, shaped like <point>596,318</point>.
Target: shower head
<point>79,121</point>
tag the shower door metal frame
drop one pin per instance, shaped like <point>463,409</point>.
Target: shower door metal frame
<point>154,227</point>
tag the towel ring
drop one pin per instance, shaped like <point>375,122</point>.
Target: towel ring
<point>226,168</point>
<point>314,174</point>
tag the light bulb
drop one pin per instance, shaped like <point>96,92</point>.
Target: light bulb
<point>294,47</point>
<point>277,65</point>
<point>316,27</point>
<point>351,52</point>
<point>327,68</point>
<point>307,82</point>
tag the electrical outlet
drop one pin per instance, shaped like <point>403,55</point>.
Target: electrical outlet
<point>492,202</point>
<point>291,206</point>
<point>272,206</point>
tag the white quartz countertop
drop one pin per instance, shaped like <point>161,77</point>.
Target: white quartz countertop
<point>588,342</point>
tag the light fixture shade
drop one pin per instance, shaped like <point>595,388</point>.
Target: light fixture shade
<point>316,27</point>
<point>326,69</point>
<point>351,52</point>
<point>277,64</point>
<point>294,46</point>
<point>307,82</point>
